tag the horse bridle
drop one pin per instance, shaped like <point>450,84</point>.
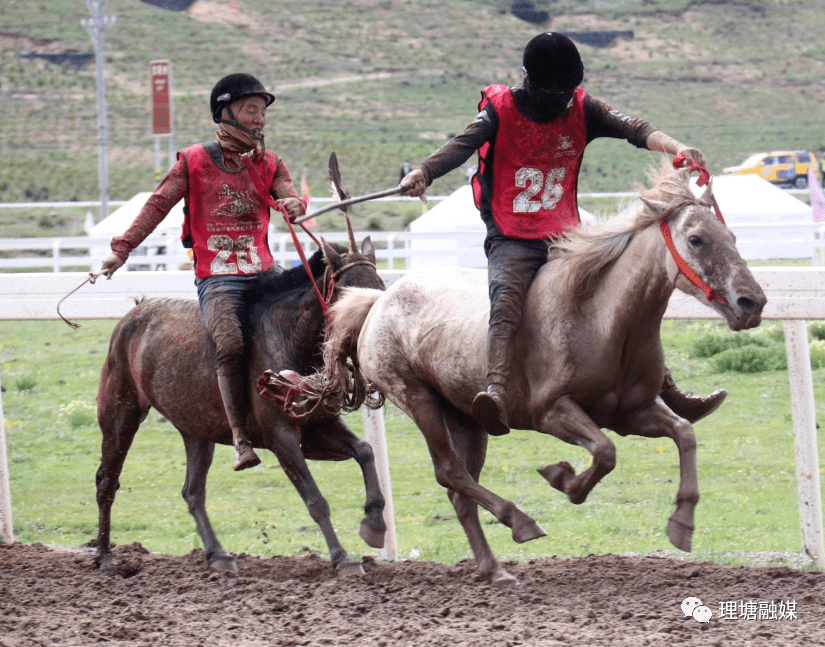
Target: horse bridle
<point>330,278</point>
<point>681,264</point>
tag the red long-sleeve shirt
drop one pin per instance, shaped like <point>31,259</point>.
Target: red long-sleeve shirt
<point>174,187</point>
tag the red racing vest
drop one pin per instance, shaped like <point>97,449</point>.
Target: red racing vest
<point>227,220</point>
<point>535,168</point>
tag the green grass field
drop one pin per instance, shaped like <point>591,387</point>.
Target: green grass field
<point>745,456</point>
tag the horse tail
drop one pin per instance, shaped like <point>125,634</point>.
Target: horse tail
<point>342,371</point>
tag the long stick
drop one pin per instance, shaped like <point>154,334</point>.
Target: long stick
<point>349,201</point>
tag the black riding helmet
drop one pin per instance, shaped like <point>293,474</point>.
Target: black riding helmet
<point>551,61</point>
<point>231,88</point>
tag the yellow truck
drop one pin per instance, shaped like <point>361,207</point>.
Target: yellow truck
<point>788,168</point>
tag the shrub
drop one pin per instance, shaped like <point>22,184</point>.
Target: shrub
<point>711,345</point>
<point>817,330</point>
<point>750,358</point>
<point>817,349</point>
<point>25,383</point>
<point>79,414</point>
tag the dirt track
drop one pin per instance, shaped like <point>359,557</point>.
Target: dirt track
<point>56,597</point>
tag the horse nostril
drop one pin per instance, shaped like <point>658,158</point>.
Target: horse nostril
<point>748,305</point>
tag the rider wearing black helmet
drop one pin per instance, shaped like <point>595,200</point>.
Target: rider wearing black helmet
<point>530,140</point>
<point>226,225</point>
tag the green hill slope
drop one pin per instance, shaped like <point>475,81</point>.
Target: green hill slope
<point>381,82</point>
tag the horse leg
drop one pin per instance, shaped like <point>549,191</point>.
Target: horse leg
<point>657,421</point>
<point>334,441</point>
<point>470,445</point>
<point>568,422</point>
<point>119,415</point>
<point>425,407</point>
<point>288,450</point>
<point>199,455</point>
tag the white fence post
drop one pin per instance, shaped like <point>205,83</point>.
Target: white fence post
<point>804,423</point>
<point>376,436</point>
<point>6,527</point>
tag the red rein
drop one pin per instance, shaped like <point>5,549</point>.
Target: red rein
<point>264,192</point>
<point>684,268</point>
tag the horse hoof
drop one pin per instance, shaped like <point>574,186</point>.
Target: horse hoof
<point>105,562</point>
<point>557,475</point>
<point>372,537</point>
<point>502,579</point>
<point>528,531</point>
<point>349,569</point>
<point>224,564</point>
<point>679,534</point>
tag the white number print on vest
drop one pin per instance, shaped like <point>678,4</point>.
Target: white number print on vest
<point>534,181</point>
<point>247,255</point>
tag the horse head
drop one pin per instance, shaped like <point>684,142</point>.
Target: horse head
<point>703,260</point>
<point>350,268</point>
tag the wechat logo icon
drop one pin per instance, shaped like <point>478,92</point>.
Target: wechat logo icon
<point>693,607</point>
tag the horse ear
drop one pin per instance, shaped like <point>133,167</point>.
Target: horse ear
<point>707,195</point>
<point>368,249</point>
<point>330,255</point>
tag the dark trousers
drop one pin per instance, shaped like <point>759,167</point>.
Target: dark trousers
<point>512,266</point>
<point>222,300</point>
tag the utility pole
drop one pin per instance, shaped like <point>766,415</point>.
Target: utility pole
<point>95,25</point>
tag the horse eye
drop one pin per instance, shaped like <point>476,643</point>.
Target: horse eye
<point>695,241</point>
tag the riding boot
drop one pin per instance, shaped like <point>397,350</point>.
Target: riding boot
<point>687,405</point>
<point>233,394</point>
<point>490,410</point>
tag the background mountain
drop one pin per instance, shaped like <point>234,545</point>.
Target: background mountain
<point>384,81</point>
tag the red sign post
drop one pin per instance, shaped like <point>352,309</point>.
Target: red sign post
<point>161,71</point>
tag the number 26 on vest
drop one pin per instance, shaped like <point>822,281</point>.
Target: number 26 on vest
<point>533,181</point>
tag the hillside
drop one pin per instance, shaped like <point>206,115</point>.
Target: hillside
<point>383,81</point>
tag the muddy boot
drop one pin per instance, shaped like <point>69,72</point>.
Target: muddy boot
<point>489,409</point>
<point>233,394</point>
<point>245,456</point>
<point>689,406</point>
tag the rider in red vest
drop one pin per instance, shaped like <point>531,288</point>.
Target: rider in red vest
<point>530,140</point>
<point>226,225</point>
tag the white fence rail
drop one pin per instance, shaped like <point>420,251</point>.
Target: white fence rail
<point>395,248</point>
<point>160,253</point>
<point>795,295</point>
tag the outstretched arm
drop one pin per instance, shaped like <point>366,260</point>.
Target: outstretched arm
<point>663,143</point>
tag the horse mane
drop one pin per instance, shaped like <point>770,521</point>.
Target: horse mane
<point>273,288</point>
<point>587,252</point>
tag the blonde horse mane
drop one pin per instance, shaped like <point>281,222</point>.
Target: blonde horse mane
<point>588,251</point>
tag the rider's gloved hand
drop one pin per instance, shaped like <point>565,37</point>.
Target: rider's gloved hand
<point>414,183</point>
<point>110,264</point>
<point>691,155</point>
<point>291,207</point>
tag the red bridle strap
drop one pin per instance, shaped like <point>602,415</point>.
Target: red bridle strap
<point>266,195</point>
<point>683,267</point>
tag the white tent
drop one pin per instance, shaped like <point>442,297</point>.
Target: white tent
<point>769,222</point>
<point>452,233</point>
<point>165,240</point>
<point>119,220</point>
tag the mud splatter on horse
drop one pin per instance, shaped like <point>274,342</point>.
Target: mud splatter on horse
<point>588,354</point>
<point>161,356</point>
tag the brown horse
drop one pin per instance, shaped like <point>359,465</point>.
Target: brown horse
<point>587,356</point>
<point>161,356</point>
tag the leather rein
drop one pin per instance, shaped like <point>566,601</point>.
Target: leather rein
<point>681,264</point>
<point>323,299</point>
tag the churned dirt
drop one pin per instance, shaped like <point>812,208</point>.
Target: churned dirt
<point>57,597</point>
